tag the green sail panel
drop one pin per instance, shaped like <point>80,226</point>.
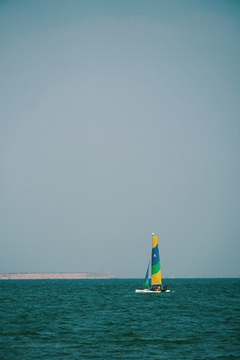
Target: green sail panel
<point>146,281</point>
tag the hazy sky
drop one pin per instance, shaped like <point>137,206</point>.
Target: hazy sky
<point>119,119</point>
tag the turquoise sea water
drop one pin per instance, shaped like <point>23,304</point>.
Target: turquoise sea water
<point>105,319</point>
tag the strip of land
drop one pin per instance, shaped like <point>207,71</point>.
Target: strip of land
<point>33,276</point>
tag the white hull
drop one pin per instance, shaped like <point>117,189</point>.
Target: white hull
<point>151,291</point>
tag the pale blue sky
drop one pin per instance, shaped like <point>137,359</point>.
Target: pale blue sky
<point>119,119</point>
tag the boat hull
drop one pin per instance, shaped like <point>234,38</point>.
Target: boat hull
<point>151,291</point>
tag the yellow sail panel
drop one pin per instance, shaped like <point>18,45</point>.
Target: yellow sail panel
<point>156,278</point>
<point>154,241</point>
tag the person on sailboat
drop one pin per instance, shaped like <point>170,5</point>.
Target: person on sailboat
<point>164,287</point>
<point>158,288</point>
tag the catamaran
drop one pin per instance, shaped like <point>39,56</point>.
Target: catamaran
<point>154,285</point>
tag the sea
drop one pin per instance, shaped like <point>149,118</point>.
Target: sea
<point>106,319</point>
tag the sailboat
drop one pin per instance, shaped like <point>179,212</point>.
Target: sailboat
<point>154,285</point>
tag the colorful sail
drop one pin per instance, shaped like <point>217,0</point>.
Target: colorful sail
<point>146,281</point>
<point>156,267</point>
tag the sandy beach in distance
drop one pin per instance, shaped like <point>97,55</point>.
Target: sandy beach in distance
<point>32,276</point>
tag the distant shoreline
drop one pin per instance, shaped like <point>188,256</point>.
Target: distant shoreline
<point>57,275</point>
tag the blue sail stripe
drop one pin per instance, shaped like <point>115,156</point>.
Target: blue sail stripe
<point>155,255</point>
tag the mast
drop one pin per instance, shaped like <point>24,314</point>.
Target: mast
<point>156,278</point>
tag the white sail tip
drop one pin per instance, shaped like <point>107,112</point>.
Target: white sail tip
<point>152,234</point>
